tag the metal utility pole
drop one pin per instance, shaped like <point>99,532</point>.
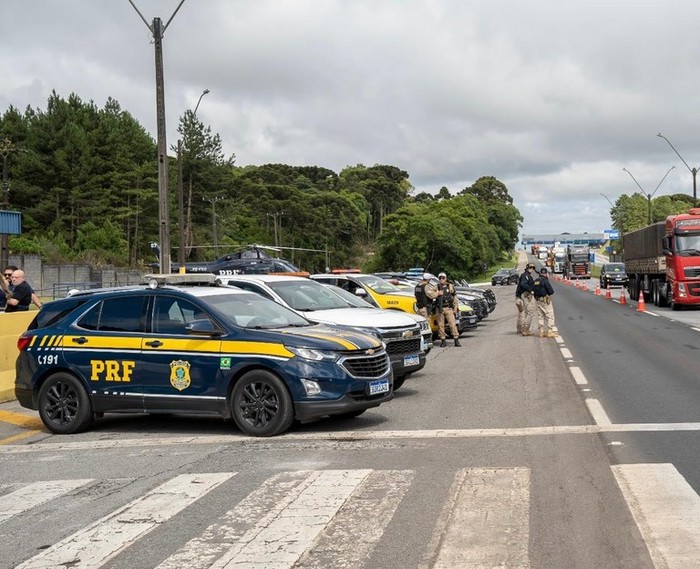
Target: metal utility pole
<point>158,30</point>
<point>693,171</point>
<point>213,201</point>
<point>647,195</point>
<point>275,217</point>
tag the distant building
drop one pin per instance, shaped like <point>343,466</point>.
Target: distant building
<point>592,239</point>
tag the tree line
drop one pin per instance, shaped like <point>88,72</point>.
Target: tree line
<point>85,179</point>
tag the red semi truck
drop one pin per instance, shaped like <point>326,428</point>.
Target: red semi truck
<point>662,260</point>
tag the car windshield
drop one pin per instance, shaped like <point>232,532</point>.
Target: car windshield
<point>615,268</point>
<point>378,285</point>
<point>255,311</point>
<point>347,297</point>
<point>307,295</point>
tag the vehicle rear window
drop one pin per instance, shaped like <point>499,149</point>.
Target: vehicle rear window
<point>53,313</point>
<point>124,314</point>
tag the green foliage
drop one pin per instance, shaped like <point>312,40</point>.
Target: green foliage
<point>86,181</point>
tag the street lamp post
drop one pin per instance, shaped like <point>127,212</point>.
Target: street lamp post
<point>693,171</point>
<point>205,92</point>
<point>612,205</point>
<point>181,191</point>
<point>646,194</point>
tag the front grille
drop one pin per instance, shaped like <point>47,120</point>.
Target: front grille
<point>376,365</point>
<point>691,272</point>
<point>410,346</point>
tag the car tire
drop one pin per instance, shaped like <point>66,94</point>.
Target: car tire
<point>398,382</point>
<point>64,404</point>
<point>261,405</point>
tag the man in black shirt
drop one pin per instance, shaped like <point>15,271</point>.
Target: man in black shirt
<point>21,296</point>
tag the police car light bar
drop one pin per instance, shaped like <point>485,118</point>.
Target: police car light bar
<point>154,281</point>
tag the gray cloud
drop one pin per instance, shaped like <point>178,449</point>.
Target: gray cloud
<point>552,98</point>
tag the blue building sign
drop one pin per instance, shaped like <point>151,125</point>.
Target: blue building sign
<point>10,222</point>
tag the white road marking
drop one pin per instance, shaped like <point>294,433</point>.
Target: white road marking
<point>667,512</point>
<point>579,378</point>
<point>345,543</point>
<point>596,409</point>
<point>566,353</point>
<point>354,436</point>
<point>282,541</point>
<point>487,522</point>
<point>97,543</point>
<point>35,494</point>
<point>694,328</point>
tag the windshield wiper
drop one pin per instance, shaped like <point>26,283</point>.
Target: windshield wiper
<point>691,252</point>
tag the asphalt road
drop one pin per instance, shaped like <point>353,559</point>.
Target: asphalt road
<point>508,452</point>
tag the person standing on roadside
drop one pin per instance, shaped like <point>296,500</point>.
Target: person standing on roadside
<point>447,307</point>
<point>525,301</point>
<point>543,291</point>
<point>425,293</point>
<point>5,284</point>
<point>7,274</point>
<point>19,295</point>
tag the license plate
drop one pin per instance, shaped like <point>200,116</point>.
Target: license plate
<point>411,361</point>
<point>378,386</point>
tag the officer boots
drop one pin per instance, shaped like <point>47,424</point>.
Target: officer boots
<point>443,343</point>
<point>457,344</point>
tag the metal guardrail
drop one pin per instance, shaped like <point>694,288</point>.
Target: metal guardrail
<point>60,290</point>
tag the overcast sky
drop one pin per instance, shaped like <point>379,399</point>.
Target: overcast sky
<point>552,97</point>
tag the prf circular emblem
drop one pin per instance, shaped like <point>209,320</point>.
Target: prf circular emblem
<point>180,374</point>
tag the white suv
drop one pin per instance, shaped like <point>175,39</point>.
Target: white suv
<point>402,333</point>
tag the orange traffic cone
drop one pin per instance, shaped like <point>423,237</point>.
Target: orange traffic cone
<point>608,294</point>
<point>597,289</point>
<point>623,298</point>
<point>641,307</point>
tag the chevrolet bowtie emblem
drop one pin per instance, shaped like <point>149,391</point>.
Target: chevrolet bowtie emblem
<point>370,352</point>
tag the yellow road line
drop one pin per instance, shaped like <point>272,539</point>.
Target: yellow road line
<point>21,420</point>
<point>18,437</point>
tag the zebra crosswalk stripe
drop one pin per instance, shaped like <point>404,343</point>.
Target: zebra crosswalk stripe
<point>35,494</point>
<point>99,542</point>
<point>667,512</point>
<point>486,524</point>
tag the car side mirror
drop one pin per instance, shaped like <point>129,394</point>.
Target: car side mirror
<point>666,246</point>
<point>202,327</point>
<point>360,292</point>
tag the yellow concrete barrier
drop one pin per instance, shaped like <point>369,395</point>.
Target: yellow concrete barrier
<point>11,326</point>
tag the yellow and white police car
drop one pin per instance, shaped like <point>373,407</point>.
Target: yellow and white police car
<point>172,347</point>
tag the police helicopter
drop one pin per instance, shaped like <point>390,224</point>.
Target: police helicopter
<point>249,260</point>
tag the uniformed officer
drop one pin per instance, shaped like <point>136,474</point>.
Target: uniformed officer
<point>543,291</point>
<point>425,292</point>
<point>447,307</point>
<point>525,301</point>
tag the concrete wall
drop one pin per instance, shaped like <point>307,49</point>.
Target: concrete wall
<point>54,281</point>
<point>11,326</point>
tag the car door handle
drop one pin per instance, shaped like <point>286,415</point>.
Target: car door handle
<point>81,340</point>
<point>154,344</point>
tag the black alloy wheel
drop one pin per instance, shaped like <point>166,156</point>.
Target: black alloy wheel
<point>64,405</point>
<point>261,405</point>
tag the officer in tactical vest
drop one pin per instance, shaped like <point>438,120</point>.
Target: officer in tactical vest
<point>425,292</point>
<point>525,301</point>
<point>447,307</point>
<point>543,291</point>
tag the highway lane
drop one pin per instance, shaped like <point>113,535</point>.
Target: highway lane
<point>496,430</point>
<point>643,368</point>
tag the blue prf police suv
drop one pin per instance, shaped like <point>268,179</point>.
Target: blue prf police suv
<point>172,347</point>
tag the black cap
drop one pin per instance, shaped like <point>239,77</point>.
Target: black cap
<point>543,271</point>
<point>530,266</point>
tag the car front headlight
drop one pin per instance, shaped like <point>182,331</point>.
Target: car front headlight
<point>313,355</point>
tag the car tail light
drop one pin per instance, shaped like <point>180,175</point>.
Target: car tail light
<point>23,342</point>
